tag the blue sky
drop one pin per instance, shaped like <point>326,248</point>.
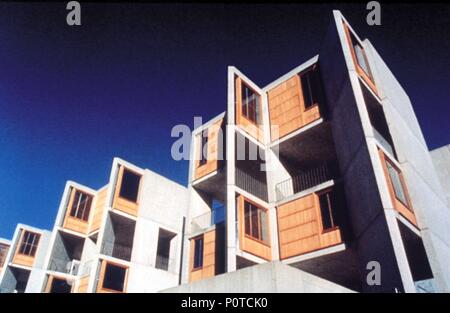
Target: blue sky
<point>72,98</point>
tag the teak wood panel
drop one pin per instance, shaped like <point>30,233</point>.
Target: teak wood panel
<point>300,227</point>
<point>73,223</point>
<point>256,131</point>
<point>6,248</point>
<point>97,215</point>
<point>122,204</point>
<point>209,257</point>
<point>287,109</point>
<point>359,70</point>
<point>83,284</point>
<point>50,282</point>
<point>23,259</point>
<point>213,150</point>
<point>100,288</point>
<point>247,243</point>
<point>405,211</point>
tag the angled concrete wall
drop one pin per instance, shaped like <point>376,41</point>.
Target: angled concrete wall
<point>441,161</point>
<point>262,278</point>
<point>427,196</point>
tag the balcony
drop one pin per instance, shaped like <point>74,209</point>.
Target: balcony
<point>208,219</point>
<point>251,183</point>
<point>306,179</point>
<point>64,266</point>
<point>117,250</point>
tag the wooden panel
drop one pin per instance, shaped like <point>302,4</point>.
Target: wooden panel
<point>50,279</point>
<point>247,243</point>
<point>22,259</point>
<point>73,223</point>
<point>83,284</point>
<point>359,70</point>
<point>212,162</point>
<point>100,288</point>
<point>209,257</point>
<point>405,211</point>
<point>300,227</point>
<point>25,260</point>
<point>76,224</point>
<point>122,204</point>
<point>287,110</point>
<point>4,248</point>
<point>96,217</point>
<point>256,131</point>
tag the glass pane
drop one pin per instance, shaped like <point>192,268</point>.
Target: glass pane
<point>396,183</point>
<point>198,253</point>
<point>264,234</point>
<point>360,56</point>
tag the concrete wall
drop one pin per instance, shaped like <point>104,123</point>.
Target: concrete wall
<point>267,277</point>
<point>441,161</point>
<point>375,235</point>
<point>163,204</point>
<point>427,196</point>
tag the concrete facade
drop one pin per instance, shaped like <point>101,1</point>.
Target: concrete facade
<point>262,278</point>
<point>396,211</point>
<point>320,181</point>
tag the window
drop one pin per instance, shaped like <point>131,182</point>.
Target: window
<point>29,243</point>
<point>114,277</point>
<point>360,55</point>
<point>250,104</point>
<point>3,252</point>
<point>203,147</point>
<point>311,86</point>
<point>397,184</point>
<point>326,210</point>
<point>81,205</point>
<point>255,221</point>
<point>198,253</point>
<point>130,185</point>
<point>60,286</point>
<point>163,249</point>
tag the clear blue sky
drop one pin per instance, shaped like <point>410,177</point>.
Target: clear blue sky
<point>73,98</point>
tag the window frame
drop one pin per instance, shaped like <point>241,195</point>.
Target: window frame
<point>259,223</point>
<point>4,249</point>
<point>195,240</point>
<point>119,194</point>
<point>311,73</point>
<point>329,193</point>
<point>367,77</point>
<point>388,163</point>
<point>203,142</point>
<point>71,207</point>
<point>246,105</point>
<point>125,279</point>
<point>22,245</point>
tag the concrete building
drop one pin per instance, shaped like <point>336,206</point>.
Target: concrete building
<point>124,237</point>
<point>349,186</point>
<point>319,181</point>
<point>23,266</point>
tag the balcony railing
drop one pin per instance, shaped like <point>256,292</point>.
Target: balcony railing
<point>205,220</point>
<point>117,250</point>
<point>251,184</point>
<point>305,180</point>
<point>64,266</point>
<point>86,267</point>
